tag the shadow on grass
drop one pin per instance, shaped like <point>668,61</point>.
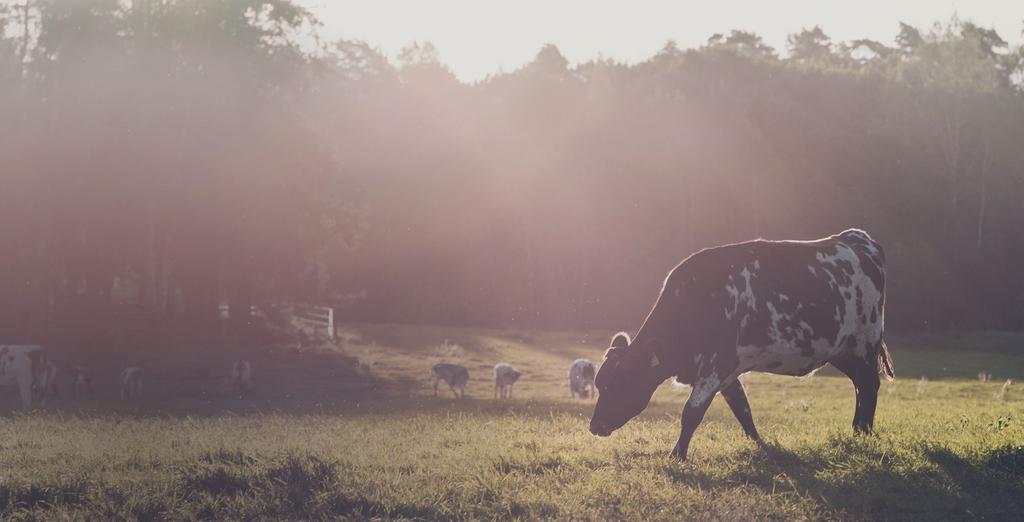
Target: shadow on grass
<point>354,405</point>
<point>216,486</point>
<point>853,478</point>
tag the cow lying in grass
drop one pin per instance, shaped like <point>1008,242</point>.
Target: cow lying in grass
<point>784,307</point>
<point>504,377</point>
<point>455,375</point>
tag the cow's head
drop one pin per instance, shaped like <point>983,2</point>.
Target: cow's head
<point>626,383</point>
<point>514,375</point>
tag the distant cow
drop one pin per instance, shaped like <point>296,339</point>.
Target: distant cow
<point>504,377</point>
<point>581,378</point>
<point>241,376</point>
<point>22,366</point>
<point>784,307</point>
<point>455,375</point>
<point>131,383</point>
<point>81,382</point>
<point>44,384</point>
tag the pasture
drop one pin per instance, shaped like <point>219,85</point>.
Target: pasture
<point>350,430</point>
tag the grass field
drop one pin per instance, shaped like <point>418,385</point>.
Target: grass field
<point>353,432</point>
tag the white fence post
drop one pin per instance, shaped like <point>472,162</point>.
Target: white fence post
<point>316,318</point>
<point>330,323</point>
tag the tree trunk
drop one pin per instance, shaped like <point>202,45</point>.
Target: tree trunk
<point>986,163</point>
<point>24,39</point>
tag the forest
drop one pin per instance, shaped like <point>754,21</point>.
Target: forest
<point>161,158</point>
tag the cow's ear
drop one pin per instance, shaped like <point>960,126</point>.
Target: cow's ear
<point>621,340</point>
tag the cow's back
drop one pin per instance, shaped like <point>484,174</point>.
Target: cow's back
<point>789,306</point>
<point>817,300</point>
<point>453,374</point>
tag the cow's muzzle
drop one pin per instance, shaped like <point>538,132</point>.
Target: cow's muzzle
<point>599,429</point>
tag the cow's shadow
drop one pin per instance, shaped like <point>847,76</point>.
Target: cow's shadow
<point>859,480</point>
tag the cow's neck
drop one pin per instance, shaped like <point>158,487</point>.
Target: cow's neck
<point>672,359</point>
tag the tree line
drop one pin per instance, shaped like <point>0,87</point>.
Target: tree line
<point>163,157</point>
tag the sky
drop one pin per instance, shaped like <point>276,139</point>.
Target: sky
<point>480,37</point>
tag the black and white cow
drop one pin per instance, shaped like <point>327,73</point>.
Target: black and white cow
<point>784,307</point>
<point>455,375</point>
<point>581,378</point>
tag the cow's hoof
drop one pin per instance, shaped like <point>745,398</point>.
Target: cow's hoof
<point>677,455</point>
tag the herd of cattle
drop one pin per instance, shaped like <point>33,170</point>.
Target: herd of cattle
<point>29,369</point>
<point>581,379</point>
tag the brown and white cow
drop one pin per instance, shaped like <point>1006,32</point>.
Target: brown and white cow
<point>784,307</point>
<point>22,366</point>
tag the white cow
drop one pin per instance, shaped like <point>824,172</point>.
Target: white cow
<point>131,383</point>
<point>581,378</point>
<point>504,377</point>
<point>241,376</point>
<point>21,366</point>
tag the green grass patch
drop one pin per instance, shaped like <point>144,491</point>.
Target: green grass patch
<point>949,446</point>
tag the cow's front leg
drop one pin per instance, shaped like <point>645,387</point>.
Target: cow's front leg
<point>737,399</point>
<point>693,413</point>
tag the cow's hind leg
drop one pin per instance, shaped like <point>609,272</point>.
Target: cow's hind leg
<point>864,374</point>
<point>693,413</point>
<point>737,399</point>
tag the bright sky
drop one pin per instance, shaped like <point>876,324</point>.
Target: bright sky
<point>479,37</point>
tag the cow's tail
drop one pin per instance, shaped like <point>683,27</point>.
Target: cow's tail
<point>885,358</point>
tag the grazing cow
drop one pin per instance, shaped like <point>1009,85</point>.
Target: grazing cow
<point>241,376</point>
<point>131,383</point>
<point>784,307</point>
<point>504,377</point>
<point>44,384</point>
<point>81,382</point>
<point>22,366</point>
<point>455,375</point>
<point>581,378</point>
